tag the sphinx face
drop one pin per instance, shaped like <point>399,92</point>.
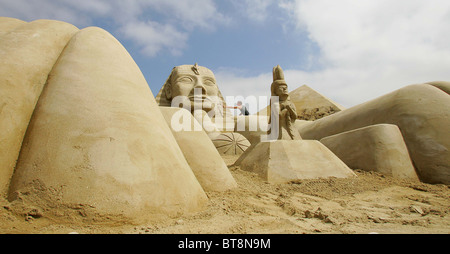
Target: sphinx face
<point>196,86</point>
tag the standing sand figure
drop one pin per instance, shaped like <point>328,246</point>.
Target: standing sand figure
<point>282,110</point>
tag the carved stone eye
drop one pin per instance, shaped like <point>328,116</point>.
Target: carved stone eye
<point>185,79</point>
<point>209,82</point>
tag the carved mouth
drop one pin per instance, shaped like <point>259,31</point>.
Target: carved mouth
<point>199,98</point>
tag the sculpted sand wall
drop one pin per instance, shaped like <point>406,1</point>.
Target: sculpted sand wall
<point>379,148</point>
<point>27,55</point>
<point>422,113</point>
<point>98,138</point>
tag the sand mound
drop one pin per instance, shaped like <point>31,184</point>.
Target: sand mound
<point>370,202</point>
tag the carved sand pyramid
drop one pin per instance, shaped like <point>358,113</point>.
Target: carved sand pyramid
<point>97,136</point>
<point>282,161</point>
<point>310,104</point>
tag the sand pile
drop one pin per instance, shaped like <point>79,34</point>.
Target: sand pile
<point>370,202</point>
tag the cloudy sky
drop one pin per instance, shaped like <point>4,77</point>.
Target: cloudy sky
<point>351,51</point>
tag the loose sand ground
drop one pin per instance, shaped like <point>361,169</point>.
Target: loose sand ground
<point>370,202</point>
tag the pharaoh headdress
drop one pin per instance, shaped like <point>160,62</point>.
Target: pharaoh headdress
<point>278,79</point>
<point>161,98</point>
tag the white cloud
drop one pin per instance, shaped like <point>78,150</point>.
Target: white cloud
<point>47,9</point>
<point>254,10</point>
<point>152,37</point>
<point>244,89</point>
<point>176,18</point>
<point>367,48</point>
<point>190,14</point>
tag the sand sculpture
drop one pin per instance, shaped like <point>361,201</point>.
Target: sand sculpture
<point>442,85</point>
<point>195,88</point>
<point>199,151</point>
<point>9,24</point>
<point>97,137</point>
<point>284,156</point>
<point>81,126</point>
<point>420,111</point>
<point>231,143</point>
<point>283,161</point>
<point>192,87</point>
<point>310,104</point>
<point>379,148</point>
<point>283,109</point>
<point>28,52</point>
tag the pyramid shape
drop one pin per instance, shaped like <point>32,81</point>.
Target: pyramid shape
<point>310,104</point>
<point>282,161</point>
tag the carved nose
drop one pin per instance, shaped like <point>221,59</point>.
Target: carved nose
<point>199,88</point>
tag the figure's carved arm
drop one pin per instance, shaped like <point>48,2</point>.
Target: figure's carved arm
<point>292,110</point>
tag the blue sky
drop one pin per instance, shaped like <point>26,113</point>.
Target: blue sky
<point>349,50</point>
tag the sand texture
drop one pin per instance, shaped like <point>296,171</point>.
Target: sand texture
<point>370,202</point>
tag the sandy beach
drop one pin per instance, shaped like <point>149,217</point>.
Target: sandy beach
<point>368,203</point>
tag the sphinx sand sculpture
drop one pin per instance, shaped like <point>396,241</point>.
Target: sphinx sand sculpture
<point>195,89</point>
<point>79,125</point>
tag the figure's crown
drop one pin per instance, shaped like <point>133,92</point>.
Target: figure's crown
<point>278,79</point>
<point>277,73</point>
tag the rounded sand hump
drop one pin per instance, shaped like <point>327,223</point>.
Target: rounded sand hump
<point>379,148</point>
<point>98,138</point>
<point>28,52</point>
<point>420,111</point>
<point>8,24</point>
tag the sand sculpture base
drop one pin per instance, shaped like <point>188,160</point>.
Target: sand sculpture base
<point>199,151</point>
<point>282,161</point>
<point>420,111</point>
<point>379,148</point>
